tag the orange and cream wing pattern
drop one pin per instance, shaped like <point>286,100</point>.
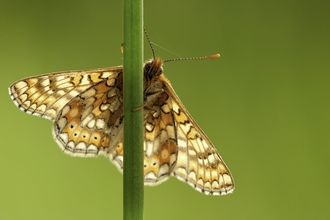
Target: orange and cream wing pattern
<point>175,145</point>
<point>46,95</point>
<point>87,110</point>
<point>160,146</point>
<point>86,107</point>
<point>92,122</point>
<point>198,163</point>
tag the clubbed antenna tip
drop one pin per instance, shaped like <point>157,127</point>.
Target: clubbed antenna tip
<point>214,56</point>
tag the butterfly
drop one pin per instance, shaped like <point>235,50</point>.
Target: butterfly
<point>86,108</point>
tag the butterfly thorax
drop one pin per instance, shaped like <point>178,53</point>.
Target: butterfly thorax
<point>154,84</point>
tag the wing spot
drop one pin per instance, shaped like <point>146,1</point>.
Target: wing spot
<point>149,127</point>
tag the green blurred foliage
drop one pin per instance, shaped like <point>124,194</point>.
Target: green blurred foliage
<point>264,104</point>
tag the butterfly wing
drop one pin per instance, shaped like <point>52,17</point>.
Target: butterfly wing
<point>198,163</point>
<point>160,148</point>
<point>87,110</point>
<point>92,122</point>
<point>86,107</point>
<point>47,94</point>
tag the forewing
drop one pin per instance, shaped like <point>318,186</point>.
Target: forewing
<point>198,163</point>
<point>47,94</point>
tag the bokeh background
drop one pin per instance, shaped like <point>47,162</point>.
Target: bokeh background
<point>264,104</point>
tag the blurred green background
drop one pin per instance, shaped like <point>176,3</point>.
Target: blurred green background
<point>264,104</point>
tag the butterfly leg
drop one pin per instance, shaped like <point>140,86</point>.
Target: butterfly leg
<point>153,96</point>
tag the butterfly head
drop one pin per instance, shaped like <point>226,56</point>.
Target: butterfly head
<point>153,69</point>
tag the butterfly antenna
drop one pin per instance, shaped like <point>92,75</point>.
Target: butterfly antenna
<point>165,49</point>
<point>152,49</point>
<point>214,56</point>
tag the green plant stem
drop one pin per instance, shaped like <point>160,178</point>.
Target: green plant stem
<point>133,120</point>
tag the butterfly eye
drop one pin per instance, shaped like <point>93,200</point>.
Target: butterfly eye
<point>160,71</point>
<point>147,66</point>
<point>153,69</point>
